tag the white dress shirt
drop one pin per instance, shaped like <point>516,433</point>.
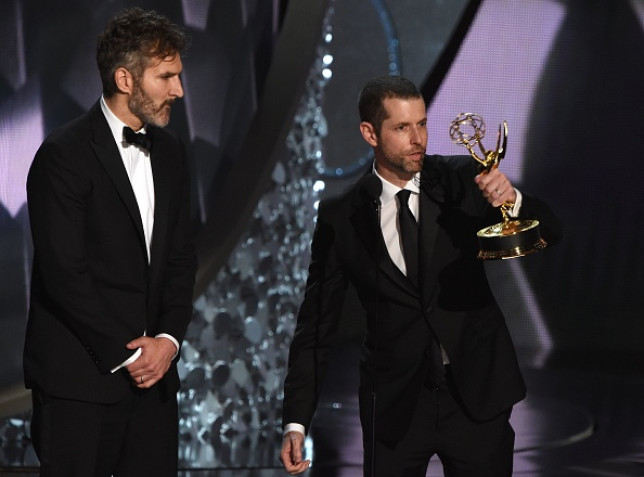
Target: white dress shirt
<point>389,217</point>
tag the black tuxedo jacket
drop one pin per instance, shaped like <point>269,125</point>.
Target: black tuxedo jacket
<point>453,300</point>
<point>93,289</point>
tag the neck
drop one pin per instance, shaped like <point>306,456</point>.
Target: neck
<point>118,104</point>
<point>397,178</point>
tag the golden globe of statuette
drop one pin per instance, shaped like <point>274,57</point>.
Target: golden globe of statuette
<point>512,237</point>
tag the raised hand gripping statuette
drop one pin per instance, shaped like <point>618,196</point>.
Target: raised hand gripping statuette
<point>512,237</point>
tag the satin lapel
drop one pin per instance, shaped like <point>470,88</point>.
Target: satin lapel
<point>108,154</point>
<point>162,174</point>
<point>367,229</point>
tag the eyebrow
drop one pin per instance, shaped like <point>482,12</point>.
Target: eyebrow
<point>407,123</point>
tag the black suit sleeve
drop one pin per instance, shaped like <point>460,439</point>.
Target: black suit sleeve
<point>532,207</point>
<point>56,188</point>
<point>549,224</point>
<point>316,325</point>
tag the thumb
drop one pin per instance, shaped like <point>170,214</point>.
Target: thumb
<point>137,343</point>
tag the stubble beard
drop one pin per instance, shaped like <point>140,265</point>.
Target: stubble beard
<point>143,107</point>
<point>402,163</point>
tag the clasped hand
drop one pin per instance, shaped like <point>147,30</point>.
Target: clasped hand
<point>154,362</point>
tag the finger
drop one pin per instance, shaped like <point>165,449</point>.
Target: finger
<point>502,192</point>
<point>494,178</point>
<point>134,344</point>
<point>482,179</point>
<point>496,188</point>
<point>286,456</point>
<point>295,442</point>
<point>494,174</point>
<point>151,374</point>
<point>495,198</point>
<point>298,469</point>
<point>139,342</point>
<point>294,468</point>
<point>486,183</point>
<point>497,192</point>
<point>147,382</point>
<point>138,368</point>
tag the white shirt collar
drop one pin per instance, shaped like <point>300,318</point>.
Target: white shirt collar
<point>115,124</point>
<point>390,190</point>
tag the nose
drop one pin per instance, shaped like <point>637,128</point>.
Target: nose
<point>177,87</point>
<point>417,135</point>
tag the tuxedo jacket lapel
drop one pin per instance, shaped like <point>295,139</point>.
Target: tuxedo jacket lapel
<point>163,175</point>
<point>430,198</point>
<point>109,156</point>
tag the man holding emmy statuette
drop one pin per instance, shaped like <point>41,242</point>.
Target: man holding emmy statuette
<point>438,373</point>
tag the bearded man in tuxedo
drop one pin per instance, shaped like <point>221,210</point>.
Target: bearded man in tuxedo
<point>114,266</point>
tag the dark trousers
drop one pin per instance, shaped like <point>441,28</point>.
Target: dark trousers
<point>134,437</point>
<point>440,426</point>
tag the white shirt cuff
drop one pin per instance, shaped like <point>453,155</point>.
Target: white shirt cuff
<point>517,204</point>
<point>293,427</point>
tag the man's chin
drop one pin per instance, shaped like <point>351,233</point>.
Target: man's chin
<point>160,121</point>
<point>415,166</point>
<point>161,124</point>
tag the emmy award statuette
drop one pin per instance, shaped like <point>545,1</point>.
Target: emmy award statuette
<point>512,237</point>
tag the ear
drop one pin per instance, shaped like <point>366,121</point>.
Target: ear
<point>369,133</point>
<point>124,80</point>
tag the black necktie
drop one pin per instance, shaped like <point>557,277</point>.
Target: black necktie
<point>142,140</point>
<point>409,239</point>
<point>408,235</point>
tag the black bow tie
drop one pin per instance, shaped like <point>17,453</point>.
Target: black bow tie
<point>142,140</point>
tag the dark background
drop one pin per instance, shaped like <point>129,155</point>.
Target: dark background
<point>566,75</point>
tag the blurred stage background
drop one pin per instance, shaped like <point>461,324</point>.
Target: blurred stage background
<point>271,121</point>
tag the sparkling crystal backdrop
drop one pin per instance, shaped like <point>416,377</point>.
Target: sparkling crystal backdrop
<point>234,356</point>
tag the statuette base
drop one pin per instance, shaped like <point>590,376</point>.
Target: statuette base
<point>511,239</point>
